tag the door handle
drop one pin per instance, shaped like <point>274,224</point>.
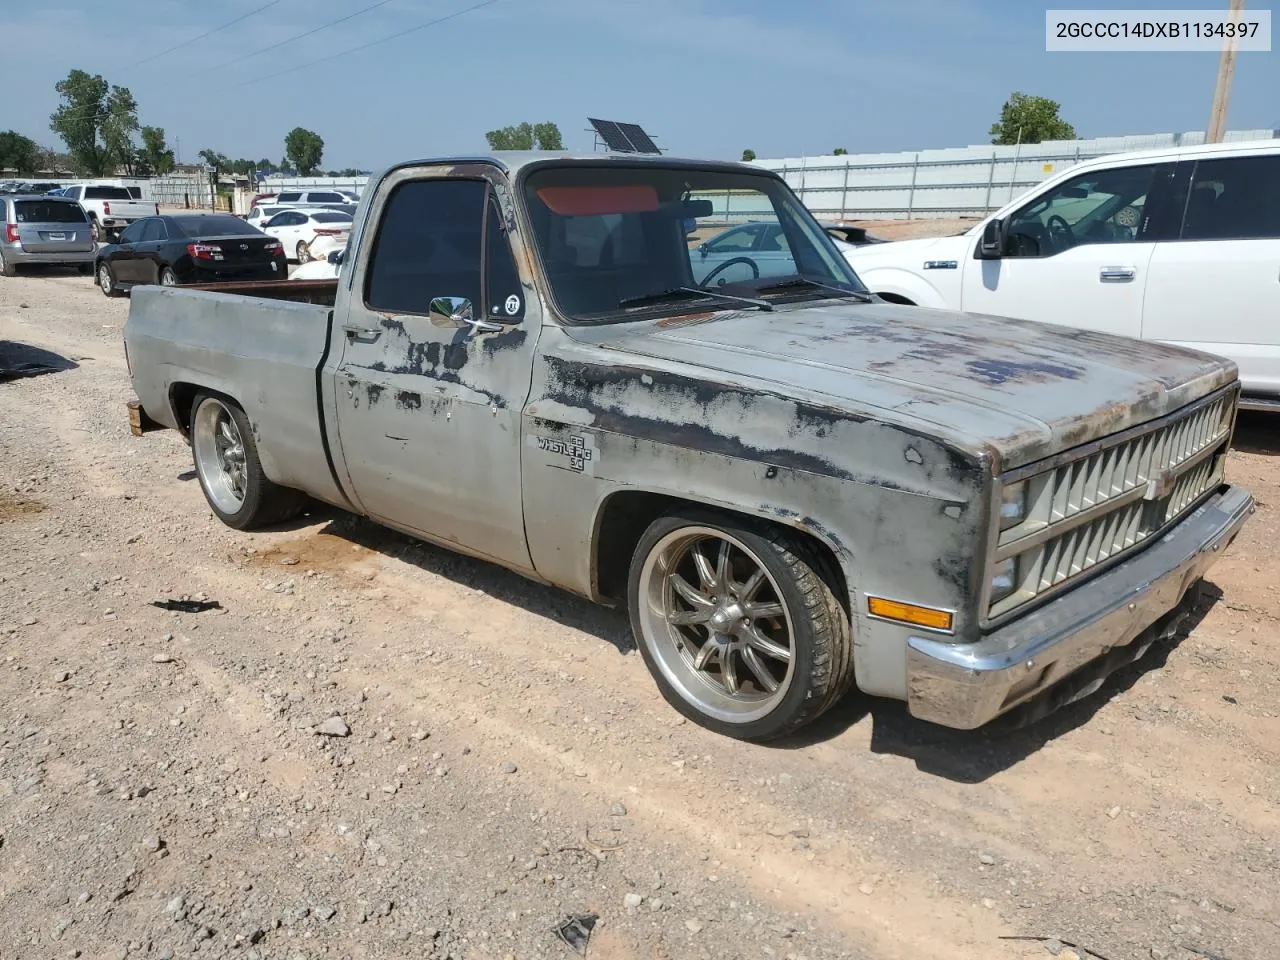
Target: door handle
<point>357,332</point>
<point>1116,274</point>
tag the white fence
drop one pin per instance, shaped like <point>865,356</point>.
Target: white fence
<point>954,182</point>
<point>950,182</point>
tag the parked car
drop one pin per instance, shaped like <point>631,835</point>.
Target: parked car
<point>311,198</point>
<point>299,228</point>
<point>188,248</point>
<point>110,209</point>
<point>44,230</point>
<point>321,268</point>
<point>259,214</point>
<point>524,368</point>
<point>747,251</point>
<point>1180,245</point>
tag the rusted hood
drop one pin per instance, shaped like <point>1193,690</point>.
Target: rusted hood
<point>1018,389</point>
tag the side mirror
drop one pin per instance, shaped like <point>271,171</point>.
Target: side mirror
<point>457,312</point>
<point>991,246</point>
<point>335,257</point>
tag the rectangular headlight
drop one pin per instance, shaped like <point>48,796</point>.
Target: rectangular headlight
<point>1004,580</point>
<point>1013,505</point>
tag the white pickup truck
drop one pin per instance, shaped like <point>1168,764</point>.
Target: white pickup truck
<point>110,208</point>
<point>1178,245</point>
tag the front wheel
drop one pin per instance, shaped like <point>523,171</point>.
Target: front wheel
<point>741,629</point>
<point>230,473</point>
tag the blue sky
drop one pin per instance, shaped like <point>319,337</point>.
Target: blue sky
<point>705,77</point>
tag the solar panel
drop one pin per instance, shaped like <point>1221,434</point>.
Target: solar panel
<point>612,136</point>
<point>640,140</point>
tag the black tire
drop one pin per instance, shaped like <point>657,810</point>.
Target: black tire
<point>7,269</point>
<point>264,502</point>
<point>106,280</point>
<point>821,636</point>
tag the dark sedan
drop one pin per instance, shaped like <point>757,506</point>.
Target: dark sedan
<point>189,248</point>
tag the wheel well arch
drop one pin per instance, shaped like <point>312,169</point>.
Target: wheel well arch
<point>623,517</point>
<point>182,400</point>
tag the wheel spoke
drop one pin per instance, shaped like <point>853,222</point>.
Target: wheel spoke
<point>763,611</point>
<point>722,567</point>
<point>705,654</point>
<point>759,670</point>
<point>691,594</point>
<point>705,572</point>
<point>224,428</point>
<point>729,672</point>
<point>749,587</point>
<point>760,642</point>
<point>688,618</point>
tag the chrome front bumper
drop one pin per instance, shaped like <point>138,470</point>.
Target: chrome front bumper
<point>965,685</point>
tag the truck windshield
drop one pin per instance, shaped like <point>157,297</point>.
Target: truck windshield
<point>616,240</point>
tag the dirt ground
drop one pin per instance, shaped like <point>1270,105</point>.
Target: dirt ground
<point>510,763</point>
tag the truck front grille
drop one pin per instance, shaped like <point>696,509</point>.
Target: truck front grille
<point>1110,498</point>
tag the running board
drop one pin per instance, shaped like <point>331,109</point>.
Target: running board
<point>1262,404</point>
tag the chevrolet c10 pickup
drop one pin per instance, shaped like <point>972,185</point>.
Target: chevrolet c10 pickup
<point>794,486</point>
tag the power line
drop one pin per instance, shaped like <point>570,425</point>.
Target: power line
<point>207,33</point>
<point>371,43</point>
<point>326,26</point>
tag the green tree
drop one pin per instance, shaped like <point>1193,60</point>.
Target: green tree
<point>18,153</point>
<point>215,160</point>
<point>748,155</point>
<point>839,152</point>
<point>96,121</point>
<point>1029,119</point>
<point>526,136</point>
<point>155,153</point>
<point>304,148</point>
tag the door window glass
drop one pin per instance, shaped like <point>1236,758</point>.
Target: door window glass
<point>1234,198</point>
<point>428,245</point>
<point>152,230</point>
<point>1103,206</point>
<point>503,293</point>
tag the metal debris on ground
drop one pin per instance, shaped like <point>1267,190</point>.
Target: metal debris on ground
<point>1207,954</point>
<point>184,605</point>
<point>576,932</point>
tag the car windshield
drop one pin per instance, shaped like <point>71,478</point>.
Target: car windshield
<point>621,242</point>
<point>213,225</point>
<point>48,211</point>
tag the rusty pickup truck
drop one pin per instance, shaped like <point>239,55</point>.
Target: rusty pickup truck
<point>793,486</point>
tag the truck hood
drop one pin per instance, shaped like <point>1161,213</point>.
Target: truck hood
<point>1014,389</point>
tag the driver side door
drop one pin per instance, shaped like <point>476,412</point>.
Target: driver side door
<point>1076,254</point>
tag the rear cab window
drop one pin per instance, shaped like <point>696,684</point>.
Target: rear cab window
<point>107,193</point>
<point>48,211</point>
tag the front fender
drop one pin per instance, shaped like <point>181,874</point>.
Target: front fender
<point>903,283</point>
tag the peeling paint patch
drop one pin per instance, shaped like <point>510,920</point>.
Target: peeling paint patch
<point>407,400</point>
<point>954,512</point>
<point>913,455</point>
<point>375,393</point>
<point>997,373</point>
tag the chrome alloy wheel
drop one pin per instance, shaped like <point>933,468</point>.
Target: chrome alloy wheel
<point>715,621</point>
<point>219,455</point>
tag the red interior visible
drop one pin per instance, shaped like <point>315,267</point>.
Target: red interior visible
<point>597,201</point>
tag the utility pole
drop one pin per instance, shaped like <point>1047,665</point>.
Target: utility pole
<point>1222,92</point>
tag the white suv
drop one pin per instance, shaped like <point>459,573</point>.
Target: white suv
<point>1179,245</point>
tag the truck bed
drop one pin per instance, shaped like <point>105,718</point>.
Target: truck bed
<point>262,351</point>
<point>297,291</point>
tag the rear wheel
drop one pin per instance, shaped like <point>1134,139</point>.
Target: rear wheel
<point>107,280</point>
<point>740,628</point>
<point>94,231</point>
<point>304,251</point>
<point>7,269</point>
<point>168,278</point>
<point>230,473</point>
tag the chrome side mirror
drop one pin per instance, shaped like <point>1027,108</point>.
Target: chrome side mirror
<point>457,312</point>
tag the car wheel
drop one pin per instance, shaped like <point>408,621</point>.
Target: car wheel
<point>7,269</point>
<point>230,473</point>
<point>304,251</point>
<point>168,278</point>
<point>741,629</point>
<point>94,232</point>
<point>107,280</point>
